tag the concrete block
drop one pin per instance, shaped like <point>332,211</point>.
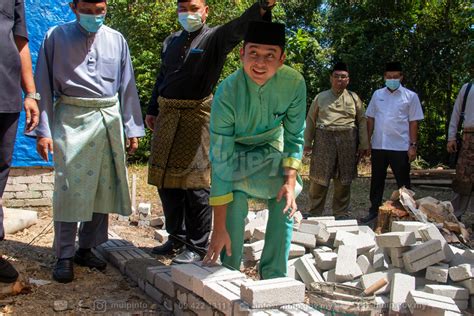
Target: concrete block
<point>421,303</point>
<point>380,258</point>
<point>362,242</point>
<point>423,256</point>
<point>144,208</point>
<point>401,285</point>
<point>320,219</point>
<point>152,271</point>
<point>438,273</point>
<point>347,268</point>
<point>157,221</point>
<point>396,255</point>
<point>296,251</point>
<point>322,249</point>
<point>395,239</point>
<point>407,226</point>
<point>161,235</point>
<point>369,279</point>
<point>222,296</point>
<point>468,284</point>
<point>309,227</point>
<point>367,230</point>
<point>164,283</point>
<point>199,306</point>
<point>461,272</point>
<point>215,274</point>
<point>364,264</point>
<point>153,292</point>
<point>462,304</point>
<point>330,276</point>
<point>253,224</point>
<point>325,260</point>
<point>253,247</point>
<point>304,239</point>
<point>354,283</point>
<point>307,271</point>
<point>454,292</point>
<point>183,274</point>
<point>430,232</point>
<point>273,292</point>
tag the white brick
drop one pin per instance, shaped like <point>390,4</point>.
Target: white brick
<point>152,292</point>
<point>252,225</point>
<point>362,242</point>
<point>401,285</point>
<point>395,239</point>
<point>183,274</point>
<point>458,256</point>
<point>161,235</point>
<point>347,268</point>
<point>273,292</point>
<point>214,274</point>
<point>307,271</point>
<point>304,239</point>
<point>152,271</point>
<point>330,276</point>
<point>321,219</point>
<point>369,279</point>
<point>423,256</point>
<point>454,292</point>
<point>364,264</point>
<point>421,303</point>
<point>438,273</point>
<point>164,282</point>
<point>468,284</point>
<point>198,306</point>
<point>325,260</point>
<point>157,221</point>
<point>406,226</point>
<point>41,187</point>
<point>367,230</point>
<point>222,296</point>
<point>16,188</point>
<point>253,247</point>
<point>430,232</point>
<point>380,261</point>
<point>309,228</point>
<point>461,272</point>
<point>296,251</point>
<point>144,208</point>
<point>27,179</point>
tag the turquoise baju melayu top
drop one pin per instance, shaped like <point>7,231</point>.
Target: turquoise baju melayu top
<point>256,131</point>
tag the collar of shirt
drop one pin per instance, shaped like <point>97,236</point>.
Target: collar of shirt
<point>254,87</point>
<point>396,92</point>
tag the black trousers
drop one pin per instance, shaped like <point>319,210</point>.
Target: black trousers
<point>381,159</point>
<point>8,127</point>
<point>188,217</point>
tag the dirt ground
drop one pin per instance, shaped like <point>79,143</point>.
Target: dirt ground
<point>110,293</point>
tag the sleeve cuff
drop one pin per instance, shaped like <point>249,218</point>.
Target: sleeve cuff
<point>221,200</point>
<point>292,163</point>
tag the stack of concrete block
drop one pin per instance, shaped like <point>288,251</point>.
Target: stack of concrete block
<point>328,230</point>
<point>255,220</point>
<point>253,251</point>
<point>406,226</point>
<point>424,255</point>
<point>460,295</point>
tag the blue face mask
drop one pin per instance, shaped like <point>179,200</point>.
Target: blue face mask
<point>190,21</point>
<point>91,23</point>
<point>392,84</point>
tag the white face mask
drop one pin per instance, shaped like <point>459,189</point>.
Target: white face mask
<point>190,21</point>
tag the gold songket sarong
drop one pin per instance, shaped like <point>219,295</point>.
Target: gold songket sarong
<point>180,146</point>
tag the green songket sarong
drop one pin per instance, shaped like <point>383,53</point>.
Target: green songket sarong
<point>89,159</point>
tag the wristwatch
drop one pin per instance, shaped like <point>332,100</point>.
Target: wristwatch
<point>413,145</point>
<point>33,95</point>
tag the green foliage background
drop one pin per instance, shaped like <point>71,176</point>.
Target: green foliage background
<point>433,39</point>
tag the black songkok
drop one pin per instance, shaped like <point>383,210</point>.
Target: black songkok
<point>266,33</point>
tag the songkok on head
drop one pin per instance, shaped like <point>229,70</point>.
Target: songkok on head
<point>340,66</point>
<point>393,66</point>
<point>267,33</point>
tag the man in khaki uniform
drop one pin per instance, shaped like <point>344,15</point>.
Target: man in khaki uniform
<point>336,134</point>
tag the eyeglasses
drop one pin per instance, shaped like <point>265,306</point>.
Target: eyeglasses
<point>343,77</point>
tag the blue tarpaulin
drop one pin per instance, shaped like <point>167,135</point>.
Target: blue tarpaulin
<point>40,15</point>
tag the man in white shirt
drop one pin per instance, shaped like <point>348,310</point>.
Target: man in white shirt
<point>392,122</point>
<point>463,182</point>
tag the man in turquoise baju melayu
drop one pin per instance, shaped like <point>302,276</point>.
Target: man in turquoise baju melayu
<point>257,125</point>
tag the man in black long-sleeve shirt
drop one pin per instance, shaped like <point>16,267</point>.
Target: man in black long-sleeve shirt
<point>178,114</point>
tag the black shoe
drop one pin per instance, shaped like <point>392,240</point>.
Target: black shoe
<point>368,218</point>
<point>168,248</point>
<point>63,271</point>
<point>8,274</point>
<point>86,258</point>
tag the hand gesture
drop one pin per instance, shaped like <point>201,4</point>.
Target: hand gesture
<point>452,146</point>
<point>44,146</point>
<point>287,191</point>
<point>220,239</point>
<point>32,114</point>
